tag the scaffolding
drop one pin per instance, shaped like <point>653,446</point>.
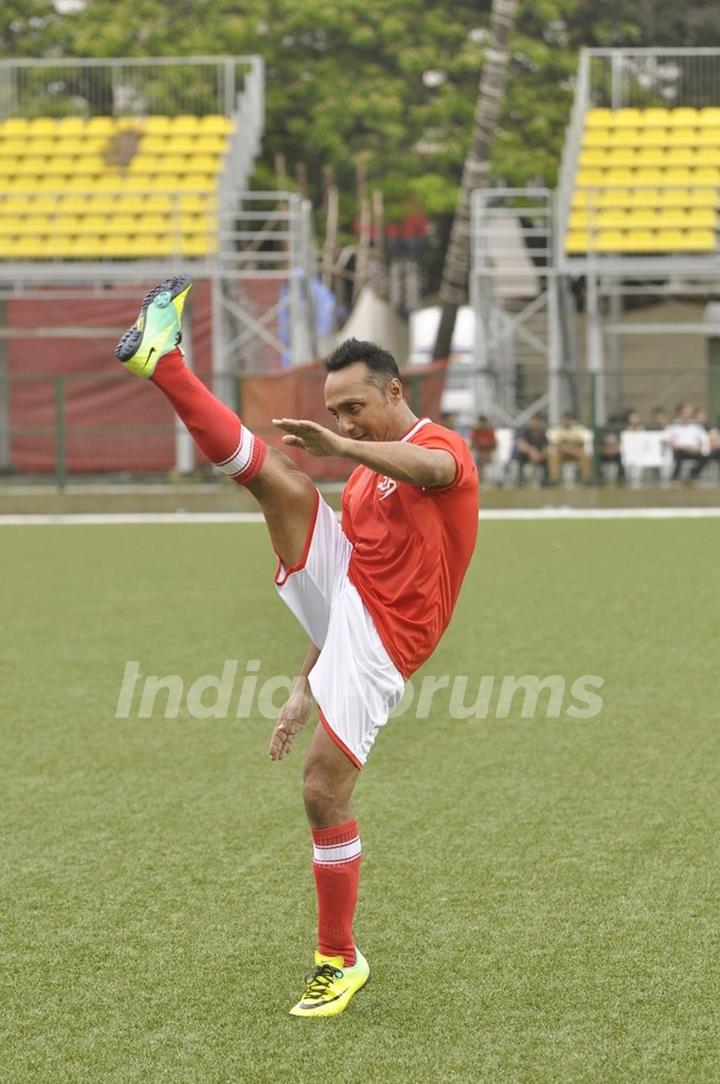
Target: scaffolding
<point>535,230</point>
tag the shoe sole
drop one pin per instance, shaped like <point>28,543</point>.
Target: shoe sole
<point>130,341</point>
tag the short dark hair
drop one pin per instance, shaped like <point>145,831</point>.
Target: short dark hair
<point>382,365</point>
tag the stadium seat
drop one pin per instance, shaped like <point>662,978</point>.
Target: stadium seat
<point>651,175</point>
<point>62,197</point>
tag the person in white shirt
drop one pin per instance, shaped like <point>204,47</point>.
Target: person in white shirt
<point>688,440</point>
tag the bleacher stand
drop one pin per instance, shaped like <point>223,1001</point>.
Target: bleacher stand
<point>647,182</point>
<point>110,187</point>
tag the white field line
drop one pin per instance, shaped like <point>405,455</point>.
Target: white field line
<point>487,515</point>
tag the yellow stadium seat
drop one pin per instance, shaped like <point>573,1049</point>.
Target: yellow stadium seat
<point>670,240</point>
<point>687,117</point>
<point>621,157</point>
<point>215,123</point>
<point>645,197</point>
<point>709,117</point>
<point>150,224</point>
<point>184,123</point>
<point>594,118</point>
<point>45,126</point>
<point>592,137</point>
<point>607,241</point>
<point>701,197</point>
<point>653,158</point>
<point>125,225</point>
<point>71,126</point>
<point>32,248</point>
<point>59,167</point>
<point>100,126</point>
<point>43,147</point>
<point>15,126</point>
<point>91,225</point>
<point>173,164</point>
<point>650,178</point>
<point>7,167</point>
<point>17,205</point>
<point>211,144</point>
<point>707,157</point>
<point>193,202</point>
<point>708,137</point>
<point>700,241</point>
<point>203,164</point>
<point>615,197</point>
<point>8,225</point>
<point>14,148</point>
<point>656,117</point>
<point>157,125</point>
<point>29,167</point>
<point>679,137</point>
<point>652,137</point>
<point>642,218</point>
<point>628,118</point>
<point>590,178</point>
<point>704,176</point>
<point>611,218</point>
<point>156,144</point>
<point>639,241</point>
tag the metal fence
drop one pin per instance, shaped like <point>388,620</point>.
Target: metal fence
<point>103,426</point>
<point>131,86</point>
<point>106,426</point>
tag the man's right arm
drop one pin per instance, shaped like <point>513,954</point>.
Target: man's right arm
<point>295,712</point>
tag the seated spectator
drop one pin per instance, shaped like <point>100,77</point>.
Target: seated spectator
<point>688,440</point>
<point>714,443</point>
<point>567,444</point>
<point>483,442</point>
<point>658,418</point>
<point>609,445</point>
<point>532,447</point>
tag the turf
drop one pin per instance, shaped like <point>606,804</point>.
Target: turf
<point>538,897</point>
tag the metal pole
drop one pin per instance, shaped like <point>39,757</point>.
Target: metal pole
<point>5,419</point>
<point>60,471</point>
<point>554,351</point>
<point>595,347</point>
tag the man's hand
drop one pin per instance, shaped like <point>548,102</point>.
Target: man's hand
<point>294,713</point>
<point>310,436</point>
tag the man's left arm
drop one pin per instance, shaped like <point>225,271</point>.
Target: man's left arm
<point>396,459</point>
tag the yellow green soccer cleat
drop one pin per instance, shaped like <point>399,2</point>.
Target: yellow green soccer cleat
<point>157,328</point>
<point>330,985</point>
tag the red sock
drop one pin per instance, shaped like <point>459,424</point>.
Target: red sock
<point>215,428</point>
<point>336,865</point>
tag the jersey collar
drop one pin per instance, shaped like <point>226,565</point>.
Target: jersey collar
<point>418,425</point>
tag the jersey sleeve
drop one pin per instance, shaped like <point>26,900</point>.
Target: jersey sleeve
<point>436,436</point>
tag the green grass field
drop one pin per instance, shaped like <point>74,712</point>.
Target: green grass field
<point>538,899</point>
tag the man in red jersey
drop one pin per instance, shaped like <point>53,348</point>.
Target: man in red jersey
<point>374,593</point>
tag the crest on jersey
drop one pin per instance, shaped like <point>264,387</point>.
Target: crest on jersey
<point>385,487</point>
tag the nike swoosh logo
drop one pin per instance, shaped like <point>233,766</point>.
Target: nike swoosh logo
<point>151,351</point>
<point>319,1004</point>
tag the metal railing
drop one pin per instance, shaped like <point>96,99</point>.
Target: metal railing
<point>644,78</point>
<point>133,86</point>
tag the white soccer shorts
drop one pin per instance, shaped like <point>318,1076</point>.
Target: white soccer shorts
<point>355,682</point>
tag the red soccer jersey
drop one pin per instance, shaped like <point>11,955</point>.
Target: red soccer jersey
<point>411,547</point>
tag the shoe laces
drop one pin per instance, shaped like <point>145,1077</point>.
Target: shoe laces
<point>319,980</point>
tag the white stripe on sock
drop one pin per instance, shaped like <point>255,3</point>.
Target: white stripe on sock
<point>330,854</point>
<point>240,458</point>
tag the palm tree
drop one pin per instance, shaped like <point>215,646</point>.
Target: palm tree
<point>453,290</point>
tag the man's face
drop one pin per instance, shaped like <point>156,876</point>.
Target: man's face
<point>568,421</point>
<point>362,410</point>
